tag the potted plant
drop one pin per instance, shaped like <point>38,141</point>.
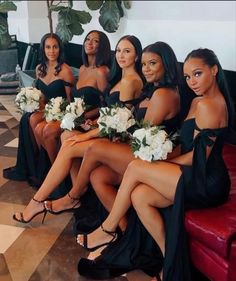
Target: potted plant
<point>70,20</point>
<point>5,38</point>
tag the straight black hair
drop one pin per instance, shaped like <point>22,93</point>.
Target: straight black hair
<point>210,59</point>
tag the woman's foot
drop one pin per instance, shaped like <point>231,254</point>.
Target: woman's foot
<point>99,238</point>
<point>64,204</point>
<point>34,208</point>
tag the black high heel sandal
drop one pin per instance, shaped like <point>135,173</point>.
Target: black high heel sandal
<point>116,235</point>
<point>48,206</point>
<point>22,220</point>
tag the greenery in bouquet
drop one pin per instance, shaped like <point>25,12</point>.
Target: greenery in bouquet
<point>114,122</point>
<point>152,143</point>
<point>55,109</point>
<point>74,115</point>
<point>28,99</point>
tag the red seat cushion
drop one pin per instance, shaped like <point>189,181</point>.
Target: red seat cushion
<point>214,227</point>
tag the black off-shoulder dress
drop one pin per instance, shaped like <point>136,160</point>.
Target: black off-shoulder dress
<point>204,184</point>
<point>32,165</point>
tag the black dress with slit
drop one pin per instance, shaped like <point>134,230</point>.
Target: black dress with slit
<point>32,165</point>
<point>204,184</point>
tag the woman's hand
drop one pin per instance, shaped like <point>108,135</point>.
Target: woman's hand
<point>76,139</point>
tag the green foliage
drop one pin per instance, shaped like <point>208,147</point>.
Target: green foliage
<point>5,38</point>
<point>70,21</point>
<point>111,11</point>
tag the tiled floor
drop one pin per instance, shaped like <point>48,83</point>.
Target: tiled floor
<point>33,252</point>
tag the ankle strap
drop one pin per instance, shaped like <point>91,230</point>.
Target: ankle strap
<point>72,198</point>
<point>112,233</point>
<point>35,200</point>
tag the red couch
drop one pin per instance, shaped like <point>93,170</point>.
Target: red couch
<point>212,232</point>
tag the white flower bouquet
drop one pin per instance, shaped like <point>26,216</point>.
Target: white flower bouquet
<point>28,99</point>
<point>151,143</point>
<point>55,109</point>
<point>113,122</point>
<point>74,115</point>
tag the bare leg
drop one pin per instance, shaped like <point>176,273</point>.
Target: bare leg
<point>96,154</point>
<point>56,174</point>
<point>51,134</point>
<point>76,161</point>
<point>104,180</point>
<point>156,175</point>
<point>144,200</point>
<point>35,119</point>
<point>38,133</point>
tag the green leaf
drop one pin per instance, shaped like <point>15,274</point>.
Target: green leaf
<point>109,16</point>
<point>7,6</point>
<point>3,25</point>
<point>94,5</point>
<point>80,16</point>
<point>76,28</point>
<point>118,2</point>
<point>64,17</point>
<point>70,3</point>
<point>64,32</point>
<point>127,4</point>
<point>56,8</point>
<point>5,41</point>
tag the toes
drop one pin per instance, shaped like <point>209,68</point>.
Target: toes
<point>80,239</point>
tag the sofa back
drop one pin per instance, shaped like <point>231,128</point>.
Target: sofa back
<point>229,154</point>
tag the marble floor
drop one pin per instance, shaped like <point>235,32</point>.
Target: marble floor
<point>34,252</point>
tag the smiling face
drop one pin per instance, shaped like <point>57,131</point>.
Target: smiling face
<point>199,76</point>
<point>51,49</point>
<point>125,54</point>
<point>91,43</point>
<point>152,67</point>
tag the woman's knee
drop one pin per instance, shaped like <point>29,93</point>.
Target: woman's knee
<point>50,132</point>
<point>133,167</point>
<point>66,135</point>
<point>138,198</point>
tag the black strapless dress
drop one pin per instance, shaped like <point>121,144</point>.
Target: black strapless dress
<point>92,97</point>
<point>32,165</point>
<point>204,184</point>
<point>92,213</point>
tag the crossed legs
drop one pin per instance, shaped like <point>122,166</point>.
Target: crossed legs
<point>159,177</point>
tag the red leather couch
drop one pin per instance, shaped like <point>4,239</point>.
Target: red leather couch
<point>212,232</point>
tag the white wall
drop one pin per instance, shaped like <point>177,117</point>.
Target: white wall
<point>185,25</point>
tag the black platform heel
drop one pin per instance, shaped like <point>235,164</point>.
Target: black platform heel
<point>22,220</point>
<point>114,234</point>
<point>48,205</point>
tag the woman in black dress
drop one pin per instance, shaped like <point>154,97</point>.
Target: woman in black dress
<point>92,81</point>
<point>194,176</point>
<point>54,78</point>
<point>125,85</point>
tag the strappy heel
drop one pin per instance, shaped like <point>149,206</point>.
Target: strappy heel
<point>114,234</point>
<point>48,206</point>
<point>22,220</point>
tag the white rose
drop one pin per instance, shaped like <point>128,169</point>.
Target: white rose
<point>68,121</point>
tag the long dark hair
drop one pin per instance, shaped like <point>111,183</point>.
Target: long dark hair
<point>116,72</point>
<point>60,60</point>
<point>172,73</point>
<point>103,54</point>
<point>210,59</point>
